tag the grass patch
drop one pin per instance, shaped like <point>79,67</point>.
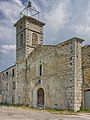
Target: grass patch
<point>53,111</point>
<point>84,111</point>
<point>62,112</point>
<point>21,106</point>
<point>4,104</point>
<point>10,105</point>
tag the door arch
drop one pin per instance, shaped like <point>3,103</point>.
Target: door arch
<point>40,97</point>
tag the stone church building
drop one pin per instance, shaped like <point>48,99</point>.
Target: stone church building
<point>48,76</point>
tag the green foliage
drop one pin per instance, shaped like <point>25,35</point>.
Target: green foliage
<point>4,104</point>
<point>84,110</point>
<point>10,105</point>
<point>66,112</point>
<point>55,111</point>
<point>81,108</point>
<point>51,110</point>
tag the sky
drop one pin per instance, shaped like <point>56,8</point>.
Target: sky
<point>64,19</point>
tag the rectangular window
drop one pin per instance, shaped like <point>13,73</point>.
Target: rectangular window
<point>40,70</point>
<point>6,86</point>
<point>7,73</point>
<point>21,39</point>
<point>20,27</point>
<point>13,72</point>
<point>13,85</point>
<point>3,77</point>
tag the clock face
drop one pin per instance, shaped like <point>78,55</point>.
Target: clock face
<point>34,39</point>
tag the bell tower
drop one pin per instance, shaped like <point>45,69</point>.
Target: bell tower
<point>29,32</point>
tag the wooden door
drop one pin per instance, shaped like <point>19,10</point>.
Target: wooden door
<point>40,98</point>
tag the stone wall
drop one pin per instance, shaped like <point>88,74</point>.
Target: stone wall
<point>61,79</point>
<point>21,83</point>
<point>0,84</point>
<point>29,26</point>
<point>86,70</point>
<point>86,66</point>
<point>8,79</point>
<point>0,89</point>
<point>20,48</point>
<point>65,70</point>
<point>78,75</point>
<point>26,26</point>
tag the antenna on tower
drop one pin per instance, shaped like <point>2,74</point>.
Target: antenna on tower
<point>30,11</point>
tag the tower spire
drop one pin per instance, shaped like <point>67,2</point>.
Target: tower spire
<point>30,11</point>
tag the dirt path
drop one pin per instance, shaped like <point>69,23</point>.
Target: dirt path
<point>10,113</point>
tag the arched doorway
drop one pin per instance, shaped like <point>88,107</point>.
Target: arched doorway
<point>40,97</point>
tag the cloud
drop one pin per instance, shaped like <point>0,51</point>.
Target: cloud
<point>80,29</point>
<point>64,19</point>
<point>58,16</point>
<point>10,10</point>
<point>7,56</point>
<point>9,13</point>
<point>7,49</point>
<point>19,2</point>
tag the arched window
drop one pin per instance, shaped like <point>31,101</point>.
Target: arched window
<point>34,39</point>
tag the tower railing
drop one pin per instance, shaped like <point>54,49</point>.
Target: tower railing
<point>30,11</point>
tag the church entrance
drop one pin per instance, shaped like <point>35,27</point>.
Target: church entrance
<point>40,97</point>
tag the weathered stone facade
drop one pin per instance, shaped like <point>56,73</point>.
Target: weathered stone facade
<point>49,76</point>
<point>0,84</point>
<point>8,81</point>
<point>86,73</point>
<point>59,72</point>
<point>86,66</point>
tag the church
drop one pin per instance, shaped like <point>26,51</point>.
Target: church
<point>47,76</point>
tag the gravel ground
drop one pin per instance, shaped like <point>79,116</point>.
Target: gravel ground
<point>10,113</point>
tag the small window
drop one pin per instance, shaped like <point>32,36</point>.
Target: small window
<point>70,58</point>
<point>13,72</point>
<point>20,27</point>
<point>6,86</point>
<point>7,73</point>
<point>39,81</point>
<point>21,39</point>
<point>34,39</point>
<point>19,99</point>
<point>40,70</point>
<point>13,99</point>
<point>13,85</point>
<point>0,92</point>
<point>3,77</point>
